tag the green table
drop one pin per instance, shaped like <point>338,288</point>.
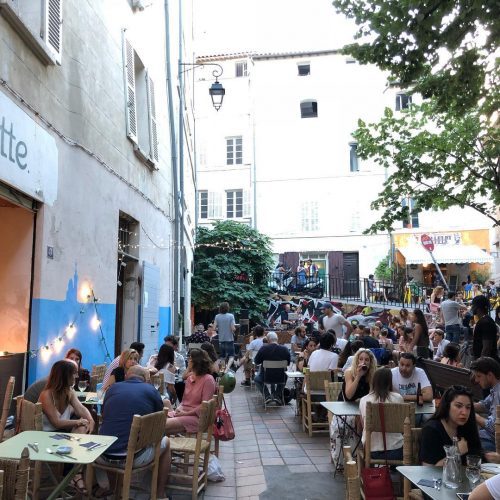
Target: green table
<point>13,447</point>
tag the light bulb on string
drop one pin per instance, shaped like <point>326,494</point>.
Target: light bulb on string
<point>95,323</point>
<point>70,331</point>
<point>45,353</point>
<point>58,345</point>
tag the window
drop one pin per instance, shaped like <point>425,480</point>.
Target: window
<point>308,109</point>
<point>241,69</point>
<point>39,23</point>
<point>128,235</point>
<point>203,204</point>
<point>141,106</point>
<point>304,69</point>
<point>412,220</point>
<point>309,217</point>
<point>353,157</point>
<point>234,150</point>
<point>403,101</point>
<point>234,204</point>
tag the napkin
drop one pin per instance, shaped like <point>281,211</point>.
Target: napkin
<point>89,444</point>
<point>426,482</point>
<point>58,436</point>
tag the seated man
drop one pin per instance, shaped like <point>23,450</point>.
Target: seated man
<point>486,372</point>
<point>297,341</point>
<point>121,402</point>
<point>271,351</point>
<point>440,342</point>
<point>406,377</point>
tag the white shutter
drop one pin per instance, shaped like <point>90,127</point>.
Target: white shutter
<point>150,307</point>
<point>129,69</point>
<point>53,26</point>
<point>246,203</point>
<point>153,132</point>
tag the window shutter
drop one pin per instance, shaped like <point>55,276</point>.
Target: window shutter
<point>53,26</point>
<point>129,67</point>
<point>153,132</point>
<point>246,203</point>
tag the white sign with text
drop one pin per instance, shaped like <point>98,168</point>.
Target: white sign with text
<point>28,154</point>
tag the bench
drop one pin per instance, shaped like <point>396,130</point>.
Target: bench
<point>442,376</point>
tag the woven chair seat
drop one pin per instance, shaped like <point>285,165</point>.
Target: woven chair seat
<point>186,444</point>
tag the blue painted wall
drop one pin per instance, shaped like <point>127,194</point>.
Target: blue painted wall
<point>165,316</point>
<point>49,320</point>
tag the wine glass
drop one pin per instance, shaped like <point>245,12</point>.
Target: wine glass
<point>473,469</point>
<point>82,385</point>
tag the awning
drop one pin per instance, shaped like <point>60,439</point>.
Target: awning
<point>446,254</point>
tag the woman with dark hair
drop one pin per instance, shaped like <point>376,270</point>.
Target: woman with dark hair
<point>60,404</point>
<point>310,345</point>
<point>164,362</point>
<point>455,417</point>
<point>83,374</point>
<point>210,350</point>
<point>420,333</point>
<point>200,386</point>
<point>405,318</point>
<point>451,354</point>
<point>347,355</point>
<point>382,393</point>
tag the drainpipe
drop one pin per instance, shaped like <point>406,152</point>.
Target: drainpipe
<point>174,322</point>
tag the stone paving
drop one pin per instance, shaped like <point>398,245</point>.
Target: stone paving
<point>271,457</point>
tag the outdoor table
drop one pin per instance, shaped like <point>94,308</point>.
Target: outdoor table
<point>90,398</point>
<point>294,374</point>
<point>13,447</point>
<point>349,408</point>
<point>417,472</point>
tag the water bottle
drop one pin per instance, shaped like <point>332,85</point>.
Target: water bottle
<point>451,469</point>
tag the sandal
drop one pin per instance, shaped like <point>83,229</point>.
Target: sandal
<point>98,492</point>
<point>79,484</point>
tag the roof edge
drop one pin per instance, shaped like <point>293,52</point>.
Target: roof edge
<point>269,55</point>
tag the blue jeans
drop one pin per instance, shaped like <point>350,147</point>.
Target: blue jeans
<point>487,440</point>
<point>453,333</point>
<point>226,349</point>
<point>276,389</point>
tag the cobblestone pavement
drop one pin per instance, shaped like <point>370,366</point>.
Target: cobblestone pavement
<point>271,457</point>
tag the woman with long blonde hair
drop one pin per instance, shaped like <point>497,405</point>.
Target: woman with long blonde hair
<point>128,358</point>
<point>358,378</point>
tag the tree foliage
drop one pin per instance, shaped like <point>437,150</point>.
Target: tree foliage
<point>232,262</point>
<point>383,271</point>
<point>438,160</point>
<point>443,49</point>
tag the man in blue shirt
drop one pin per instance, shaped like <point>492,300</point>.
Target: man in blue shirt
<point>486,373</point>
<point>122,401</point>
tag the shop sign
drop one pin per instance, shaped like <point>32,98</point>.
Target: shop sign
<point>442,238</point>
<point>28,154</point>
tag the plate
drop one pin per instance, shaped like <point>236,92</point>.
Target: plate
<point>64,450</point>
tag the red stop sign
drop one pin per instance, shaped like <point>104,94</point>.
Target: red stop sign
<point>427,242</point>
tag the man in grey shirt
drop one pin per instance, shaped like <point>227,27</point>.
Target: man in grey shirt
<point>450,310</point>
<point>225,325</point>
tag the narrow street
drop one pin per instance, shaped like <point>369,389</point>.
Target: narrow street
<point>271,457</point>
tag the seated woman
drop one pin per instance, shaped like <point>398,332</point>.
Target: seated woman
<point>60,404</point>
<point>405,339</point>
<point>381,393</point>
<point>83,374</point>
<point>384,340</point>
<point>128,358</point>
<point>348,353</point>
<point>451,355</point>
<point>200,386</point>
<point>310,345</point>
<point>455,417</point>
<point>164,363</point>
<point>210,350</point>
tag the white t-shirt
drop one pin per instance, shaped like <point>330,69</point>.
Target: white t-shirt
<point>168,376</point>
<point>341,343</point>
<point>408,386</point>
<point>321,360</point>
<point>334,323</point>
<point>493,486</point>
<point>348,363</point>
<point>256,344</point>
<point>440,349</point>
<point>393,440</point>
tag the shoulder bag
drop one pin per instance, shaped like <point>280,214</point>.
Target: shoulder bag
<point>223,426</point>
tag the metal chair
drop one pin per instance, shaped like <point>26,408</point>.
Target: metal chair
<point>7,401</point>
<point>273,373</point>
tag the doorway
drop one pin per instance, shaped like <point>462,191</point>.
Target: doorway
<point>350,286</point>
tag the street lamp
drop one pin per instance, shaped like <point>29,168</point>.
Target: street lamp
<point>216,91</point>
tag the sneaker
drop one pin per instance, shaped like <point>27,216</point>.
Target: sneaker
<point>234,366</point>
<point>269,400</point>
<point>278,401</point>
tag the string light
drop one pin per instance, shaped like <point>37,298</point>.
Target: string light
<point>95,322</point>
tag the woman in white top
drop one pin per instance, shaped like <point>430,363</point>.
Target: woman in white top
<point>381,393</point>
<point>164,362</point>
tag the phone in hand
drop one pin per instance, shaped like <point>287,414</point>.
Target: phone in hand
<point>463,496</point>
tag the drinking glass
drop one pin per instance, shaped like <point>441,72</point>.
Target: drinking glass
<point>82,385</point>
<point>473,469</point>
<point>156,382</point>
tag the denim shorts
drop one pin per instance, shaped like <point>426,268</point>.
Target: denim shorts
<point>226,349</point>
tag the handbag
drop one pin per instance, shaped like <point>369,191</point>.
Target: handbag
<point>223,426</point>
<point>377,481</point>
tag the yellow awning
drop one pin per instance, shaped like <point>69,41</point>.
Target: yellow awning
<point>446,254</point>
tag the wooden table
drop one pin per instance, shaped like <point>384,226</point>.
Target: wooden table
<point>13,447</point>
<point>417,472</point>
<point>348,408</point>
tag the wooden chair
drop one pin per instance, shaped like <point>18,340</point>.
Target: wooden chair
<point>1,483</point>
<point>16,476</point>
<point>160,377</point>
<point>93,383</point>
<point>411,453</point>
<point>7,401</point>
<point>98,371</point>
<point>29,417</point>
<point>199,448</point>
<point>497,430</point>
<point>146,431</point>
<point>332,392</point>
<point>220,399</point>
<point>314,383</point>
<point>351,473</point>
<point>194,346</point>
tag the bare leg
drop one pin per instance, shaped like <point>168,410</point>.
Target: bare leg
<point>174,426</point>
<point>164,469</point>
<point>229,363</point>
